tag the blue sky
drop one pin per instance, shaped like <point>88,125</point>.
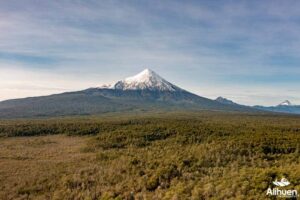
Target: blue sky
<point>248,51</point>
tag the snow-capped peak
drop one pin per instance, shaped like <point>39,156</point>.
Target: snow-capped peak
<point>147,79</point>
<point>144,76</point>
<point>285,103</point>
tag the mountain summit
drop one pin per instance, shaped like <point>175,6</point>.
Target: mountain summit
<point>145,80</point>
<point>225,101</point>
<point>285,103</point>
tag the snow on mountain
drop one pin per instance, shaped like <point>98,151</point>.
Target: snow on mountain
<point>146,79</point>
<point>285,103</point>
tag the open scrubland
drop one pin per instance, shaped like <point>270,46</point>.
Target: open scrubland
<point>204,155</point>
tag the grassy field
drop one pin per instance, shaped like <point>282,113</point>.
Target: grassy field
<point>205,155</point>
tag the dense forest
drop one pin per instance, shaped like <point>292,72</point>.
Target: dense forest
<point>205,155</point>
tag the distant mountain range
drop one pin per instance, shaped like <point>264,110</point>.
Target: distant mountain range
<point>144,92</point>
<point>284,107</point>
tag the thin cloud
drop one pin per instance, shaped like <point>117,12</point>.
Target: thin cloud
<point>192,43</point>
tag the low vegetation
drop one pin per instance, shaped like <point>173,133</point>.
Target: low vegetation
<point>171,156</point>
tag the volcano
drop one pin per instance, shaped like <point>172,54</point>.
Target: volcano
<point>146,91</point>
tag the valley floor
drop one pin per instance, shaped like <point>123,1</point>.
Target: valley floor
<point>182,156</point>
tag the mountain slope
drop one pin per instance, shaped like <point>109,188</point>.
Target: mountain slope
<point>145,91</point>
